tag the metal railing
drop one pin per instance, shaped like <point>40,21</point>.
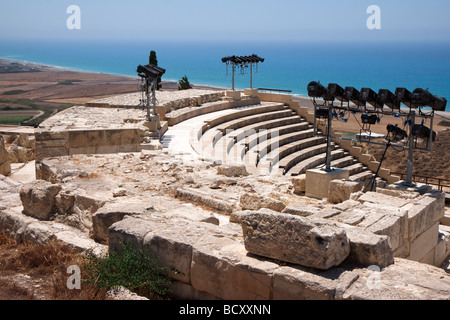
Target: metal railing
<point>278,90</point>
<point>440,183</point>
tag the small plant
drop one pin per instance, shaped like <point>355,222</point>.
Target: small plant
<point>131,268</point>
<point>445,123</point>
<point>184,84</point>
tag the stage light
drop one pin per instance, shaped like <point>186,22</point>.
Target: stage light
<point>337,91</point>
<point>369,119</point>
<point>322,113</point>
<point>396,132</point>
<point>149,71</point>
<point>422,98</point>
<point>404,96</point>
<point>420,131</point>
<point>387,98</point>
<point>354,96</point>
<point>369,96</point>
<point>317,90</point>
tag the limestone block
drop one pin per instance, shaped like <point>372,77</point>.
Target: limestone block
<point>45,171</point>
<point>255,202</point>
<point>299,183</point>
<point>402,280</point>
<point>313,243</point>
<point>130,230</point>
<point>440,251</point>
<point>43,152</point>
<point>383,199</point>
<point>340,190</point>
<point>222,267</point>
<point>217,204</point>
<point>393,226</point>
<point>234,95</point>
<point>173,248</point>
<point>232,170</point>
<point>318,181</point>
<point>293,284</point>
<point>111,213</point>
<point>424,243</point>
<point>64,202</point>
<point>38,198</point>
<point>367,248</point>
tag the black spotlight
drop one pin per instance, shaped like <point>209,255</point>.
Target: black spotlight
<point>369,96</point>
<point>354,96</point>
<point>420,131</point>
<point>337,91</point>
<point>150,71</point>
<point>396,133</point>
<point>422,98</point>
<point>386,97</point>
<point>317,90</point>
<point>369,119</point>
<point>404,96</point>
<point>322,113</point>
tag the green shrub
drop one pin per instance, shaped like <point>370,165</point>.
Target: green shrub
<point>445,123</point>
<point>131,268</point>
<point>184,84</point>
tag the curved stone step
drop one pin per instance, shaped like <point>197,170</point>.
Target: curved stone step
<point>263,143</point>
<point>244,112</point>
<point>252,119</point>
<point>311,162</point>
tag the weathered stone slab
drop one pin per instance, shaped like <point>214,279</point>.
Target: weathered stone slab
<point>367,248</point>
<point>111,213</point>
<point>38,198</point>
<point>312,243</point>
<point>402,280</point>
<point>383,199</point>
<point>255,202</point>
<point>232,170</point>
<point>423,243</point>
<point>340,190</point>
<point>217,204</point>
<point>221,267</point>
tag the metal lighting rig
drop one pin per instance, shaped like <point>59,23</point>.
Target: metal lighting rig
<point>149,75</point>
<point>373,106</point>
<point>247,64</point>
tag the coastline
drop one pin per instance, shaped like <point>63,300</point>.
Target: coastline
<point>172,84</point>
<point>45,82</point>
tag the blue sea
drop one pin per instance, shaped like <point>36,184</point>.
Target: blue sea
<point>287,66</point>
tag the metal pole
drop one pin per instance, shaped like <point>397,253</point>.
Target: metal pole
<point>147,92</point>
<point>234,66</point>
<point>328,158</point>
<point>409,169</point>
<point>155,84</point>
<point>430,141</point>
<point>251,75</point>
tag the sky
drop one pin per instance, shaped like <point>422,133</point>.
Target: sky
<point>238,20</point>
